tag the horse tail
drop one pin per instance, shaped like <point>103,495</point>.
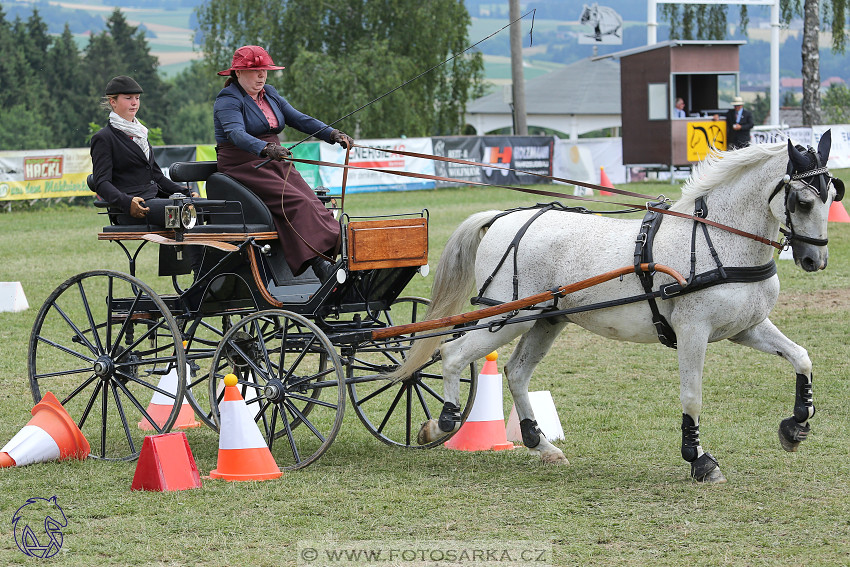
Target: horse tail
<point>454,280</point>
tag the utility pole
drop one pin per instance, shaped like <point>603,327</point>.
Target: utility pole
<point>518,89</point>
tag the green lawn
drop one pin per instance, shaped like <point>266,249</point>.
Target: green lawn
<point>625,499</point>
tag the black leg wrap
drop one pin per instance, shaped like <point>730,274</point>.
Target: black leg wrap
<point>530,433</point>
<point>449,417</point>
<point>690,438</point>
<point>803,400</point>
<point>702,466</point>
<point>792,433</point>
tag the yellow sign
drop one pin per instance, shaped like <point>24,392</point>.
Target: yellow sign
<point>704,136</point>
<point>40,174</point>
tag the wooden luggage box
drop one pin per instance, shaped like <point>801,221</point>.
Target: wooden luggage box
<point>387,243</point>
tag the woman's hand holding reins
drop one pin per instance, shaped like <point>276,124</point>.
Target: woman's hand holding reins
<point>341,138</point>
<point>275,152</point>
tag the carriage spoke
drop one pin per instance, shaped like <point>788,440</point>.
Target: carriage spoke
<point>80,334</point>
<point>90,316</point>
<point>89,405</point>
<point>120,409</point>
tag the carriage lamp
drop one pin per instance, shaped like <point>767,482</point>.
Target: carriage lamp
<point>180,214</point>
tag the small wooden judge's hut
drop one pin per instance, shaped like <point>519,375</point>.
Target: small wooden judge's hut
<point>705,74</point>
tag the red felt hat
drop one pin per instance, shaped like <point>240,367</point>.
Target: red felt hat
<point>251,57</point>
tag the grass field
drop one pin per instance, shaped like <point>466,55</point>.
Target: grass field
<point>625,499</point>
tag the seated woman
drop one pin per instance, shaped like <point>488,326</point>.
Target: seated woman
<point>124,171</point>
<point>248,116</point>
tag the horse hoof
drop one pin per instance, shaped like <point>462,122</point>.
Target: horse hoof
<point>428,432</point>
<point>713,477</point>
<point>554,457</point>
<point>706,469</point>
<point>791,434</point>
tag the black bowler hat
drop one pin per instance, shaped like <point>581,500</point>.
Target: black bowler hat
<point>123,85</point>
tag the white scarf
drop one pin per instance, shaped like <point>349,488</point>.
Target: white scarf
<point>135,129</point>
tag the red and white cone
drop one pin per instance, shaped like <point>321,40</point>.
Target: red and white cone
<point>161,405</point>
<point>242,451</point>
<point>50,435</point>
<point>484,428</point>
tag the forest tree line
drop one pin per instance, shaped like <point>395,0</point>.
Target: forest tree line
<point>51,91</point>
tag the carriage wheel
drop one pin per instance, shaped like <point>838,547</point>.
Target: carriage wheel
<point>109,349</point>
<point>291,379</point>
<point>393,412</point>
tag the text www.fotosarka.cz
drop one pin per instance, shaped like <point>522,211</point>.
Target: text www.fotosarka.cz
<point>349,553</point>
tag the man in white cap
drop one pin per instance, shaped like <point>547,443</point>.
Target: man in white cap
<point>739,122</point>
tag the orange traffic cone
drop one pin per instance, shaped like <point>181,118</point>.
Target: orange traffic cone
<point>604,181</point>
<point>51,434</point>
<point>837,212</point>
<point>484,429</point>
<point>160,406</point>
<point>242,451</point>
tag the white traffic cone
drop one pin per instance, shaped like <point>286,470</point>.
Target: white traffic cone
<point>160,406</point>
<point>484,428</point>
<point>242,451</point>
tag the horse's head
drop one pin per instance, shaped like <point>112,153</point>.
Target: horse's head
<point>588,13</point>
<point>809,192</point>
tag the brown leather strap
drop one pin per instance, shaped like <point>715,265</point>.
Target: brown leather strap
<point>555,194</point>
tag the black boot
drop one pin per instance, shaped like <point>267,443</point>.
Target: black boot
<point>322,268</point>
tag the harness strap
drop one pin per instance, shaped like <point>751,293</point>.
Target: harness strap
<point>643,255</point>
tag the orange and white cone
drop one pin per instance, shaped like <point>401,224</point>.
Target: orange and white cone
<point>242,451</point>
<point>50,435</point>
<point>604,181</point>
<point>161,405</point>
<point>484,428</point>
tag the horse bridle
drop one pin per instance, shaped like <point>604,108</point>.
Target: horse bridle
<point>817,180</point>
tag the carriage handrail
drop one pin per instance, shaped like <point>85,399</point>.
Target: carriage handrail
<point>398,330</point>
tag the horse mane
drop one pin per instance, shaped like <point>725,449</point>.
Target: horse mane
<point>719,167</point>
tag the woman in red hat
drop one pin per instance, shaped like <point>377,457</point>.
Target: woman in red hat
<point>124,171</point>
<point>248,116</point>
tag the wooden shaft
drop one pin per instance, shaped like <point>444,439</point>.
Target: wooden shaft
<point>478,314</point>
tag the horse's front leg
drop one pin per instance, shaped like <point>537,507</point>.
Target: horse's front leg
<point>767,338</point>
<point>529,352</point>
<point>691,348</point>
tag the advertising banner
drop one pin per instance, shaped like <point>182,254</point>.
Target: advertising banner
<point>374,156</point>
<point>839,155</point>
<point>467,148</point>
<point>310,172</point>
<point>532,154</point>
<point>43,174</point>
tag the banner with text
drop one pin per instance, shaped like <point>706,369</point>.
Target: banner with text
<point>44,174</point>
<point>374,156</point>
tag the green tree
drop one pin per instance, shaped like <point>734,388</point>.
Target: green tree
<point>67,91</point>
<point>341,55</point>
<point>835,104</point>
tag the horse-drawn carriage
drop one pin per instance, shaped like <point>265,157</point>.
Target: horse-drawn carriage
<point>105,342</point>
<point>122,358</point>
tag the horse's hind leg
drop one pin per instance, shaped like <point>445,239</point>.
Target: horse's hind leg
<point>529,352</point>
<point>456,356</point>
<point>767,338</point>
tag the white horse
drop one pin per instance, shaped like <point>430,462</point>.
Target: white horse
<point>755,189</point>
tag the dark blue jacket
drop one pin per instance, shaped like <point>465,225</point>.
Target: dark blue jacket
<point>239,120</point>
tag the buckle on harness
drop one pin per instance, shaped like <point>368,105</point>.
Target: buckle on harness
<point>670,290</point>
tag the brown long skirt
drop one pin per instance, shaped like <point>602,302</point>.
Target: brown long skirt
<point>305,227</point>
